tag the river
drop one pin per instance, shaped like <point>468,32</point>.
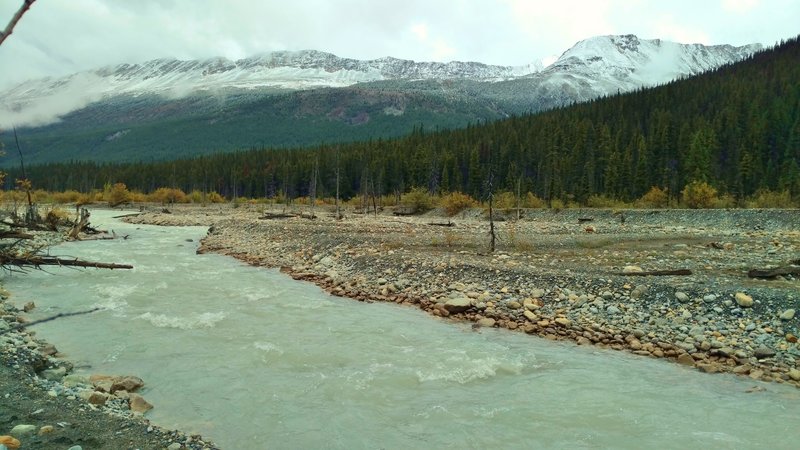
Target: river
<point>252,359</point>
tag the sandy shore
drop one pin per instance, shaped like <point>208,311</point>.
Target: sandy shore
<point>558,275</point>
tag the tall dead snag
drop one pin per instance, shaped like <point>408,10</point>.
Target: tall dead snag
<point>338,211</point>
<point>10,27</point>
<point>490,189</point>
<point>312,190</point>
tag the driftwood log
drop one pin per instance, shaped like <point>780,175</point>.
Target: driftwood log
<point>442,224</point>
<point>80,224</point>
<point>773,273</point>
<point>37,261</point>
<point>657,273</point>
<point>10,234</point>
<point>269,216</point>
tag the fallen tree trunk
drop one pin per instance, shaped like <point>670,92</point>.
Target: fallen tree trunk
<point>269,216</point>
<point>773,273</point>
<point>37,261</point>
<point>657,273</point>
<point>15,235</point>
<point>442,224</point>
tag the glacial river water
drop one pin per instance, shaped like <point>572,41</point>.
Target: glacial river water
<point>252,360</point>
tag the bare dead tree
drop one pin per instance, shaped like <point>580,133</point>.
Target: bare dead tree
<point>10,27</point>
<point>338,212</point>
<point>313,188</point>
<point>490,189</point>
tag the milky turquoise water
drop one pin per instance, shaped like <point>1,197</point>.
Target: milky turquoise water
<point>252,359</point>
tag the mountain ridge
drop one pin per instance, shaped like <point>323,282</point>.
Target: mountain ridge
<point>379,98</point>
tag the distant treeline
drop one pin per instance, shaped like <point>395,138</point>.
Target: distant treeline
<point>736,128</point>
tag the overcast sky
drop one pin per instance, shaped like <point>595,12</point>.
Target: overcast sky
<point>58,37</point>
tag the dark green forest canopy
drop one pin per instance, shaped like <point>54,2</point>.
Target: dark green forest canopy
<point>736,128</point>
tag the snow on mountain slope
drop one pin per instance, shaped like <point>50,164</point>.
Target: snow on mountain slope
<point>592,67</point>
<point>627,62</point>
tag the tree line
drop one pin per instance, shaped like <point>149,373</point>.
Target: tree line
<point>736,128</point>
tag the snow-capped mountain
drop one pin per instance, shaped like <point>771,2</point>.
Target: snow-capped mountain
<point>593,67</point>
<point>308,69</point>
<point>627,62</point>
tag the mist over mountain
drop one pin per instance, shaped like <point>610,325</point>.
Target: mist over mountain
<point>166,109</point>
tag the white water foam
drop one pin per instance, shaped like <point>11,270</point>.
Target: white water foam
<point>268,347</point>
<point>204,320</point>
<point>113,297</point>
<point>463,370</point>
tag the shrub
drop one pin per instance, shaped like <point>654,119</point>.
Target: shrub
<point>118,194</point>
<point>455,202</point>
<point>418,199</point>
<point>505,201</point>
<point>66,197</point>
<point>725,201</point>
<point>557,204</point>
<point>654,198</point>
<point>699,194</point>
<point>764,198</point>
<point>168,195</point>
<point>196,196</point>
<point>214,197</point>
<point>532,201</point>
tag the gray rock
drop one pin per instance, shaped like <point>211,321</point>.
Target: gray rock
<point>612,309</point>
<point>787,315</point>
<point>682,297</point>
<point>763,352</point>
<point>75,447</point>
<point>725,351</point>
<point>54,374</point>
<point>22,430</point>
<point>174,446</point>
<point>639,291</point>
<point>709,298</point>
<point>537,293</point>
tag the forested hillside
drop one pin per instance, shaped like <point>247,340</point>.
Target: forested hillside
<point>736,128</point>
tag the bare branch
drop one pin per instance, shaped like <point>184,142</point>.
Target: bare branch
<point>46,319</point>
<point>10,27</point>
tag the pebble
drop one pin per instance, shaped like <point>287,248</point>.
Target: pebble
<point>457,305</point>
<point>174,446</point>
<point>743,300</point>
<point>787,315</point>
<point>23,430</point>
<point>682,297</point>
<point>9,443</point>
<point>632,269</point>
<point>486,322</point>
<point>764,352</point>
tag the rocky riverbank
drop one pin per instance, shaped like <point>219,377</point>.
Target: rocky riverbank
<point>573,274</point>
<point>44,406</point>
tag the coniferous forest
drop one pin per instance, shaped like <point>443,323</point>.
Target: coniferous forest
<point>736,128</point>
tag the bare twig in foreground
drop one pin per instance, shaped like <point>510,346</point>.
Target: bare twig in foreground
<point>10,27</point>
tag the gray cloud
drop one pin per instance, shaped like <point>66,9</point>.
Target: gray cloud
<point>61,37</point>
